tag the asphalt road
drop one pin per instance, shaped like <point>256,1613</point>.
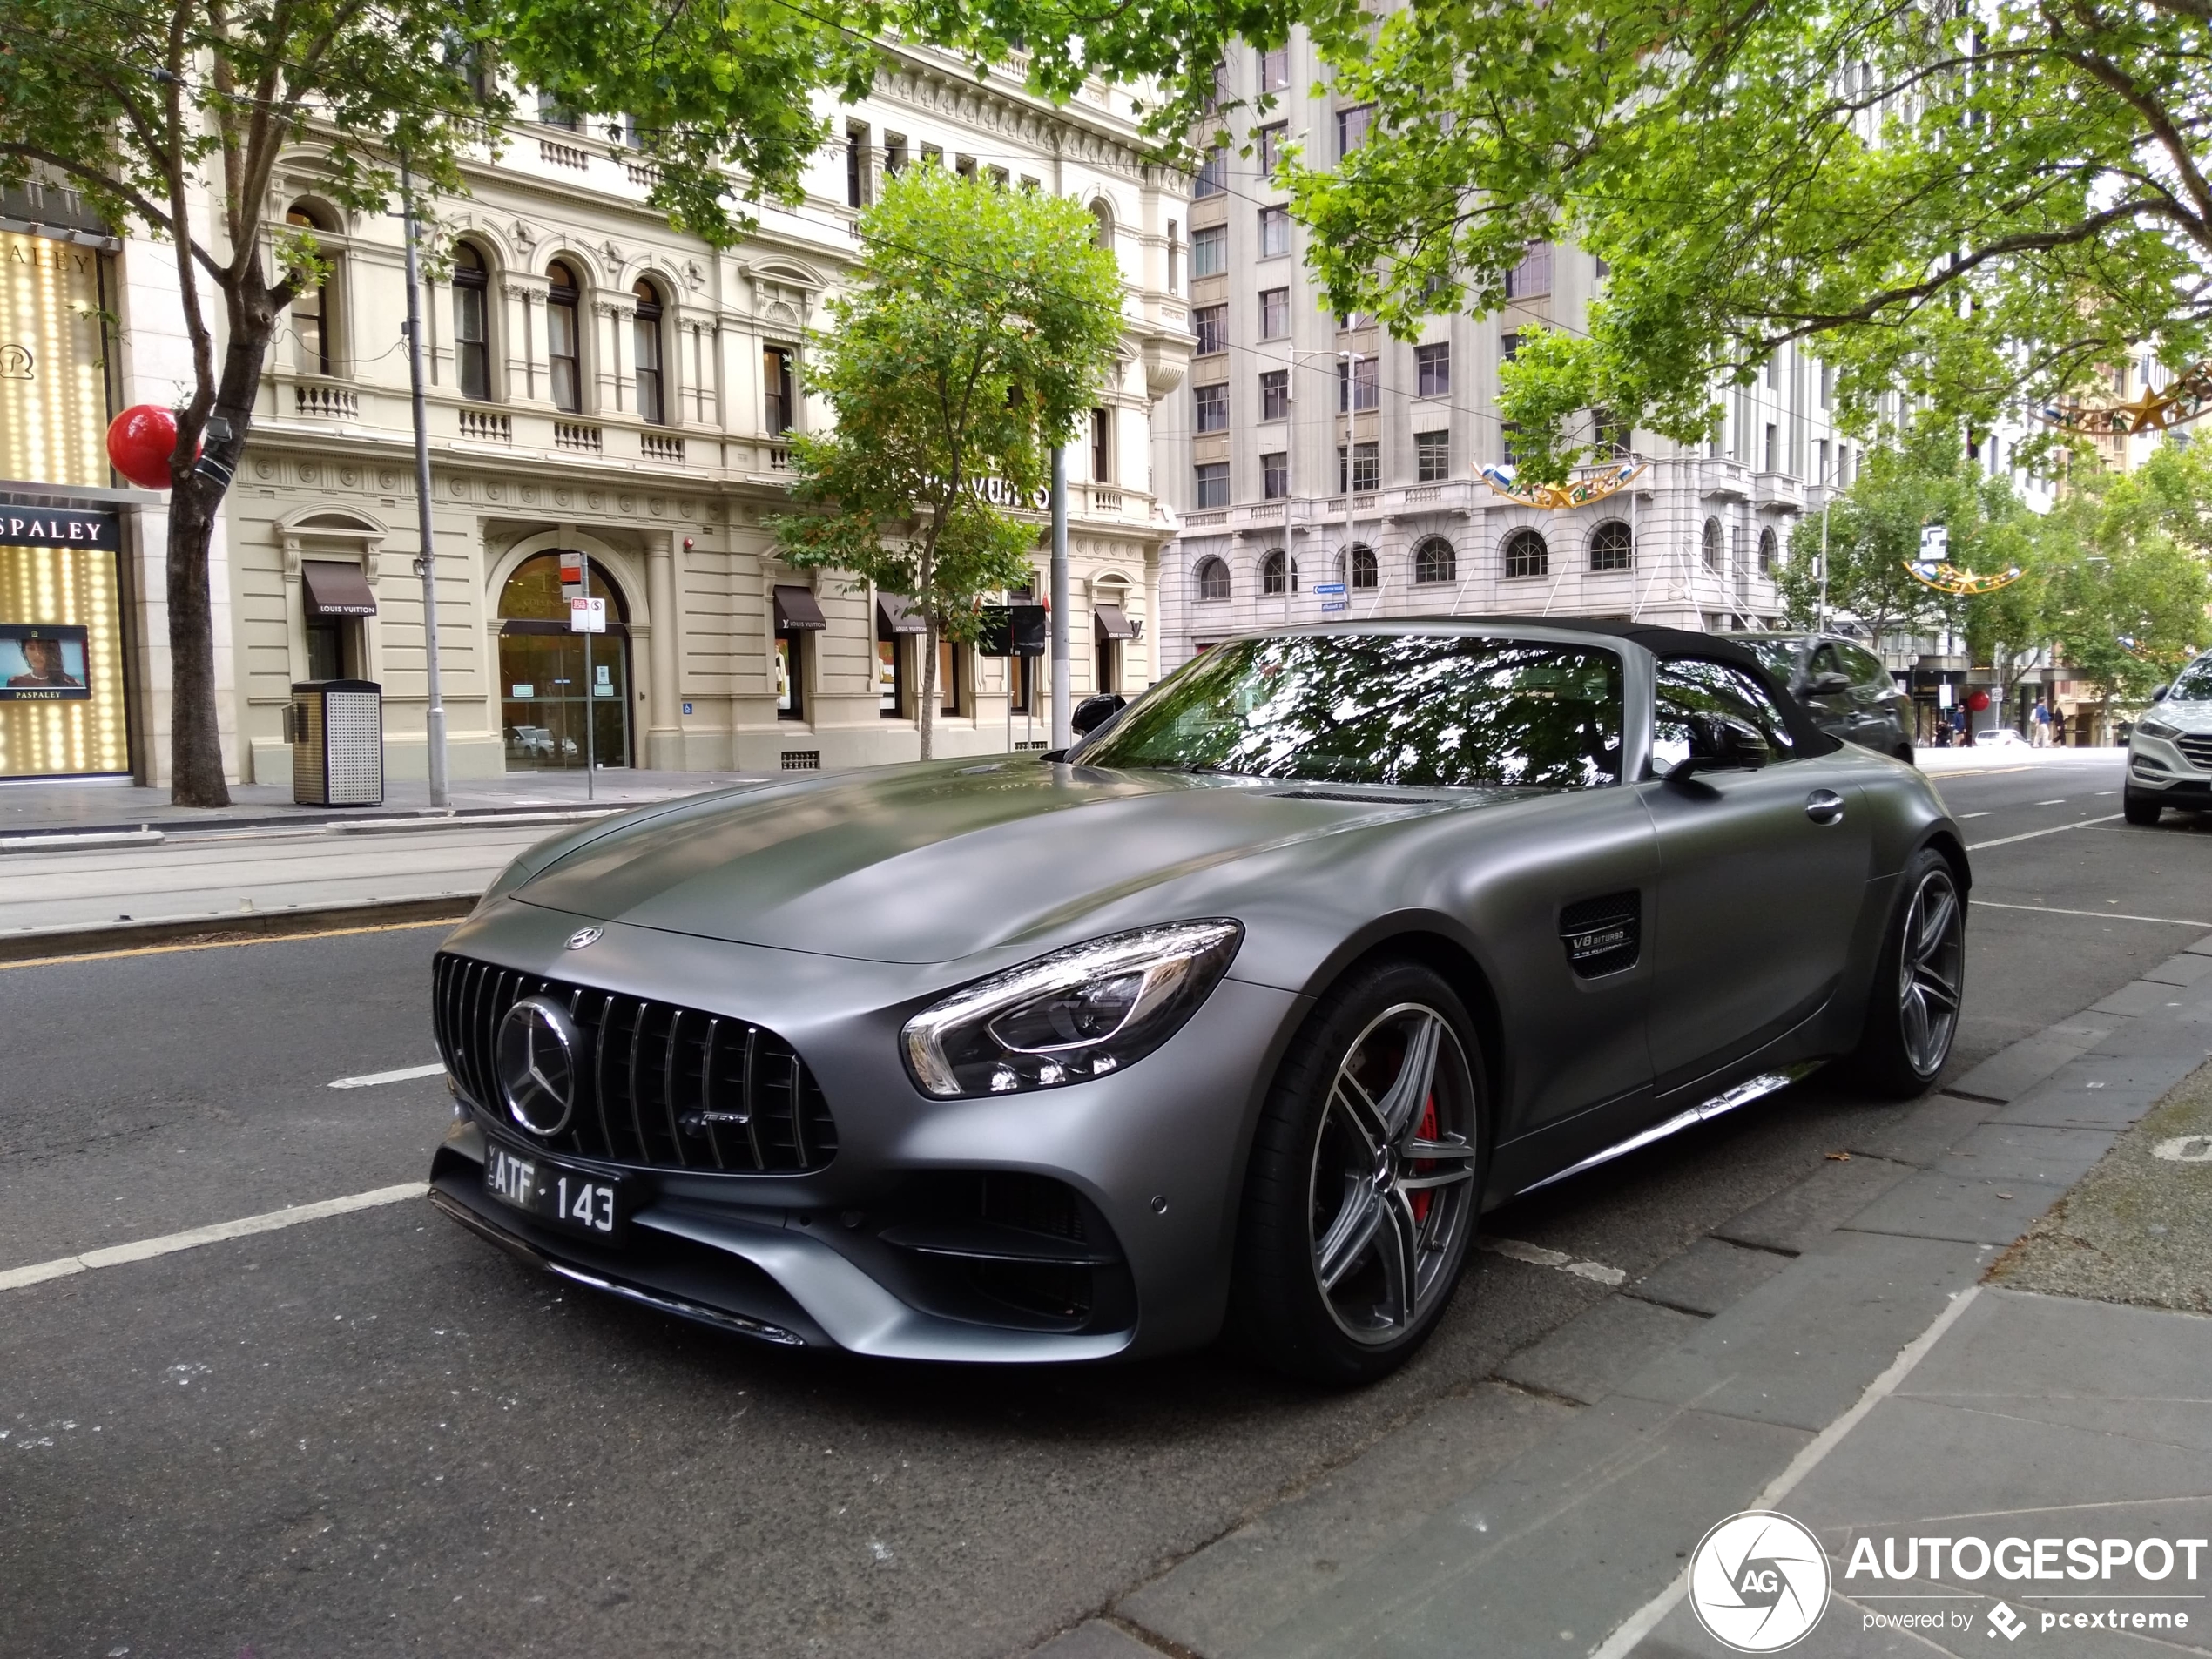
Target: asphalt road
<point>372,1434</point>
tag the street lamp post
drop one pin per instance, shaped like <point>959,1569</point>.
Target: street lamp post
<point>434,718</point>
<point>1352,358</point>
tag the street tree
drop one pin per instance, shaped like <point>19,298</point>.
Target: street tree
<point>174,115</point>
<point>978,332</point>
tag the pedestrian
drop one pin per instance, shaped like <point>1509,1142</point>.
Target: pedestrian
<point>2041,734</point>
<point>2058,727</point>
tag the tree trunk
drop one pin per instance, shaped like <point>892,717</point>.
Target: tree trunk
<point>928,711</point>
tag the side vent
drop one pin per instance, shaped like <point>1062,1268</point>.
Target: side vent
<point>1602,935</point>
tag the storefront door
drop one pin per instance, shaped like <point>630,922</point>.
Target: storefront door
<point>564,695</point>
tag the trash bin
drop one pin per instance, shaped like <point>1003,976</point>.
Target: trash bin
<point>336,729</point>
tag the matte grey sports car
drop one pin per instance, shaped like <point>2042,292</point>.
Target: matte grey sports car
<point>1237,1015</point>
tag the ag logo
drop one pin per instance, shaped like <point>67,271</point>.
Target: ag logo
<point>1758,1582</point>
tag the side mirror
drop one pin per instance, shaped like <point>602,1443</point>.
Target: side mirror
<point>2159,696</point>
<point>1718,744</point>
<point>1093,711</point>
<point>1828,684</point>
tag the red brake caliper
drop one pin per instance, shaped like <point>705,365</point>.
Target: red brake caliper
<point>1426,1130</point>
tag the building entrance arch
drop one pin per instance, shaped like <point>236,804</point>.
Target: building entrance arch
<point>547,691</point>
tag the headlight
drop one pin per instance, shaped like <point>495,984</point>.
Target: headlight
<point>2157,729</point>
<point>1078,1014</point>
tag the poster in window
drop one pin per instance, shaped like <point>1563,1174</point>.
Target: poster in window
<point>782,674</point>
<point>886,675</point>
<point>43,662</point>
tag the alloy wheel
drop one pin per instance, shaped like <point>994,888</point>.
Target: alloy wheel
<point>1390,1195</point>
<point>1932,972</point>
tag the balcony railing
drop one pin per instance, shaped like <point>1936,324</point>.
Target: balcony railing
<point>576,436</point>
<point>487,426</point>
<point>656,446</point>
<point>563,155</point>
<point>314,401</point>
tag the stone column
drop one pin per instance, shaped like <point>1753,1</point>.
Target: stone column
<point>664,735</point>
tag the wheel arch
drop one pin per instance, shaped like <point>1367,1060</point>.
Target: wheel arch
<point>1946,842</point>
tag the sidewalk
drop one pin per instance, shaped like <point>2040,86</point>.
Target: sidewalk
<point>1854,1366</point>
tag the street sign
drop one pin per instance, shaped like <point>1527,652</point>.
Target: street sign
<point>587,615</point>
<point>1935,543</point>
<point>1331,595</point>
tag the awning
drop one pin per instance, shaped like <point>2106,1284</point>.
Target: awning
<point>797,608</point>
<point>894,614</point>
<point>335,589</point>
<point>1112,624</point>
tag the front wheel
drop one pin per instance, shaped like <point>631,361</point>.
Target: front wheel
<point>2141,811</point>
<point>1919,979</point>
<point>1362,1194</point>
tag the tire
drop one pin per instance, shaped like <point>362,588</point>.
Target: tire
<point>2141,811</point>
<point>1349,1244</point>
<point>1919,979</point>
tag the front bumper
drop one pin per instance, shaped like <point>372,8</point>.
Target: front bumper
<point>2161,767</point>
<point>872,1253</point>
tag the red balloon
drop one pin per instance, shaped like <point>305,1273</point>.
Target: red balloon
<point>1978,701</point>
<point>140,442</point>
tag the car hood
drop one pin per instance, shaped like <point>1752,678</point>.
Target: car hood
<point>2192,716</point>
<point>935,862</point>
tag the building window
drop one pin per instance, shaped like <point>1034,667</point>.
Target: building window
<point>894,153</point>
<point>1209,251</point>
<point>1274,231</point>
<point>965,166</point>
<point>562,338</point>
<point>1608,432</point>
<point>1213,174</point>
<point>1275,394</point>
<point>1211,325</point>
<point>1352,126</point>
<point>1435,560</point>
<point>1275,475</point>
<point>1533,276</point>
<point>1827,384</point>
<point>1526,553</point>
<point>1174,260</point>
<point>856,164</point>
<point>1267,143</point>
<point>312,317</point>
<point>1274,313</point>
<point>1366,468</point>
<point>653,398</point>
<point>1365,572</point>
<point>1612,547</point>
<point>1277,575</point>
<point>1432,370</point>
<point>471,344</point>
<point>780,411</point>
<point>1102,230</point>
<point>1213,484</point>
<point>1820,463</point>
<point>1275,68</point>
<point>1508,348</point>
<point>1358,386</point>
<point>1711,548</point>
<point>1773,448</point>
<point>933,155</point>
<point>1769,550</point>
<point>1106,654</point>
<point>1102,447</point>
<point>1432,457</point>
<point>1508,439</point>
<point>1213,406</point>
<point>1213,578</point>
<point>552,113</point>
<point>949,659</point>
<point>890,669</point>
<point>791,673</point>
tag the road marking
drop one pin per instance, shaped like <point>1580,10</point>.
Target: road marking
<point>2056,829</point>
<point>403,1075</point>
<point>2107,791</point>
<point>1646,1618</point>
<point>2061,801</point>
<point>2106,915</point>
<point>168,1243</point>
<point>1967,815</point>
<point>1537,1256</point>
<point>229,944</point>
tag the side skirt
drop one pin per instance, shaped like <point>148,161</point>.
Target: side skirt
<point>1728,1100</point>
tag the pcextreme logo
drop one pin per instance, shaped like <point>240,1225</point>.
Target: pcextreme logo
<point>1758,1582</point>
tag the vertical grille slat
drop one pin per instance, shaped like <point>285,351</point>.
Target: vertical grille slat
<point>652,1078</point>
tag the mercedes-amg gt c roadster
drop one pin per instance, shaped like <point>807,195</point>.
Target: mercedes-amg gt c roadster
<point>1234,1016</point>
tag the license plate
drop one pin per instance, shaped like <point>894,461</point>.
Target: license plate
<point>570,1199</point>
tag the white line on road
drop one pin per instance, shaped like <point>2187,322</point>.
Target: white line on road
<point>2056,829</point>
<point>1537,1256</point>
<point>2061,801</point>
<point>2106,915</point>
<point>370,1079</point>
<point>1966,815</point>
<point>114,1255</point>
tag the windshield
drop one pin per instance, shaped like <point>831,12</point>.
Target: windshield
<point>2196,684</point>
<point>1778,657</point>
<point>1435,709</point>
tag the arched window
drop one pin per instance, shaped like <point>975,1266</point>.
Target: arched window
<point>1712,549</point>
<point>1526,553</point>
<point>1769,550</point>
<point>1101,233</point>
<point>1213,578</point>
<point>471,315</point>
<point>563,337</point>
<point>565,696</point>
<point>1435,560</point>
<point>313,318</point>
<point>1277,573</point>
<point>1612,547</point>
<point>1364,573</point>
<point>652,400</point>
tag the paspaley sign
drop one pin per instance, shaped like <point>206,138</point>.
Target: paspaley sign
<point>59,527</point>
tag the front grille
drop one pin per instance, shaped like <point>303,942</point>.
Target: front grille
<point>658,1086</point>
<point>2198,750</point>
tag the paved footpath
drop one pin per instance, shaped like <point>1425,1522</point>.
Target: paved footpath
<point>1854,1353</point>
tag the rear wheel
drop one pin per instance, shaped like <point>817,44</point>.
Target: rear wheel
<point>1913,1011</point>
<point>1361,1200</point>
<point>2140,810</point>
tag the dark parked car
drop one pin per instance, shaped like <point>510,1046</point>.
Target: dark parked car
<point>1241,1014</point>
<point>1850,694</point>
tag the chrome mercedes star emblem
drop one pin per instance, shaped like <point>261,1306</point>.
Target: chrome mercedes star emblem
<point>535,1057</point>
<point>584,936</point>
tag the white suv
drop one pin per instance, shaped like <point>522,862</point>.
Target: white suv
<point>2169,754</point>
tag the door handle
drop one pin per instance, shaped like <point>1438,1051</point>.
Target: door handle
<point>1824,807</point>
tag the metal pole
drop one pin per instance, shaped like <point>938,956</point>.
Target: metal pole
<point>1063,732</point>
<point>1820,619</point>
<point>591,689</point>
<point>1350,424</point>
<point>433,715</point>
